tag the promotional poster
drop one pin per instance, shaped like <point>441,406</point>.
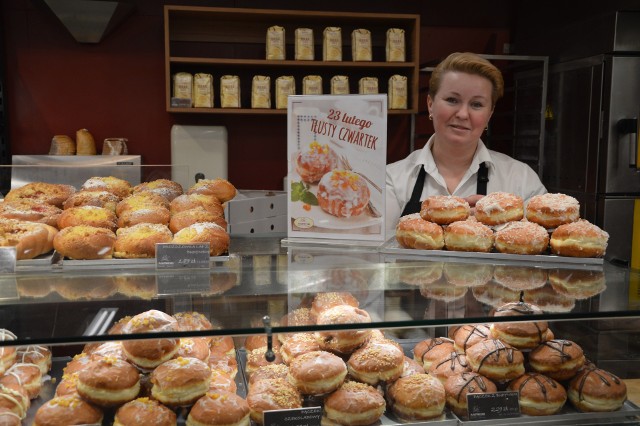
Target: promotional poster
<point>337,149</point>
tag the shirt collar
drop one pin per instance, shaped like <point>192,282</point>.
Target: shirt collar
<point>482,155</point>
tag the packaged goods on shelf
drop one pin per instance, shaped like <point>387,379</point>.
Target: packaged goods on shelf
<point>261,92</point>
<point>332,44</point>
<point>183,86</point>
<point>398,92</point>
<point>285,86</point>
<point>361,45</point>
<point>230,91</point>
<point>304,44</point>
<point>368,86</point>
<point>203,90</point>
<point>395,48</point>
<point>275,43</point>
<point>312,85</point>
<point>340,85</point>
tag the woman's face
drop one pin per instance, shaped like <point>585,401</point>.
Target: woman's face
<point>461,108</point>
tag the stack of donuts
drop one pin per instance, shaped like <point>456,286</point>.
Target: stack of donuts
<point>502,223</point>
<point>110,218</point>
<point>151,381</point>
<point>22,372</point>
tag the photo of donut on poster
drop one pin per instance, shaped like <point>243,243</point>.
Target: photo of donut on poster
<point>337,149</point>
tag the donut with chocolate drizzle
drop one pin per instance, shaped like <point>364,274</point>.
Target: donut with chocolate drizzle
<point>539,395</point>
<point>496,360</point>
<point>559,359</point>
<point>594,389</point>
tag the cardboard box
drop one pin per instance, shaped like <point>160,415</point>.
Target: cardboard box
<point>257,212</point>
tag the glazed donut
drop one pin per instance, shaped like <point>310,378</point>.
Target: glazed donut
<point>520,277</point>
<point>58,411</point>
<point>219,408</point>
<point>411,367</point>
<point>85,242</point>
<point>29,210</point>
<point>48,193</point>
<point>223,345</point>
<point>315,162</point>
<point>538,394</point>
<point>221,381</point>
<point>429,350</point>
<point>139,241</point>
<point>9,418</point>
<point>468,335</point>
<point>498,208</point>
<point>298,344</point>
<point>552,210</point>
<point>28,376</point>
<point>354,403</point>
<point>378,360</point>
<point>257,341</point>
<point>141,201</point>
<point>327,300</point>
<point>189,201</point>
<point>444,209</point>
<point>180,381</point>
<point>256,359</point>
<point>205,232</point>
<point>317,372</point>
<point>181,220</point>
<point>467,274</point>
<point>468,235</point>
<point>594,389</point>
<point>451,364</point>
<point>37,355</point>
<point>579,239</point>
<point>271,394</point>
<point>522,334</point>
<point>150,353</point>
<point>15,398</point>
<point>343,193</point>
<point>30,239</point>
<point>416,397</point>
<point>7,353</point>
<point>558,359</point>
<point>413,232</point>
<point>343,342</point>
<point>77,364</point>
<point>102,199</point>
<point>67,385</point>
<point>108,349</point>
<point>223,363</point>
<point>273,371</point>
<point>108,382</point>
<point>295,318</point>
<point>458,386</point>
<point>114,185</point>
<point>576,283</point>
<point>496,360</point>
<point>194,348</point>
<point>222,189</point>
<point>144,411</point>
<point>522,238</point>
<point>163,187</point>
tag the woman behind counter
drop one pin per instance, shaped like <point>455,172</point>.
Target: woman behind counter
<point>463,91</point>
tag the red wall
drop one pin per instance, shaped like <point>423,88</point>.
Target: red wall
<point>55,85</point>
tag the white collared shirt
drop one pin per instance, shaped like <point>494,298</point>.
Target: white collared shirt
<point>505,174</point>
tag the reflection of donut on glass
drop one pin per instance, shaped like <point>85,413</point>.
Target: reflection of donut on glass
<point>314,163</point>
<point>343,193</point>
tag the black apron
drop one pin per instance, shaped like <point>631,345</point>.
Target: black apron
<point>414,204</point>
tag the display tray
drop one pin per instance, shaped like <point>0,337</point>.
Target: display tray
<point>392,247</point>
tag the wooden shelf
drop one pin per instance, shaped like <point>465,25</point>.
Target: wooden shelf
<point>231,41</point>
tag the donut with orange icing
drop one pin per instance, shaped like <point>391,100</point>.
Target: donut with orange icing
<point>315,162</point>
<point>343,193</point>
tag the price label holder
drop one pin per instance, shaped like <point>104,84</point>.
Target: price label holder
<point>178,282</point>
<point>7,260</point>
<point>307,416</point>
<point>180,256</point>
<point>496,405</point>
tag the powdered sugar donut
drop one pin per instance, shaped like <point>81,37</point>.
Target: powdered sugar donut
<point>414,232</point>
<point>522,237</point>
<point>444,209</point>
<point>343,193</point>
<point>315,162</point>
<point>579,239</point>
<point>498,208</point>
<point>552,210</point>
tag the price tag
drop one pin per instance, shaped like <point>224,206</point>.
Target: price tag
<point>307,416</point>
<point>177,282</point>
<point>178,256</point>
<point>497,405</point>
<point>7,260</point>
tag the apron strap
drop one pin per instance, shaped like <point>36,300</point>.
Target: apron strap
<point>414,205</point>
<point>483,178</point>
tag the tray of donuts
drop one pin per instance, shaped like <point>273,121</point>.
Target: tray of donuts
<point>138,382</point>
<point>547,229</point>
<point>108,218</point>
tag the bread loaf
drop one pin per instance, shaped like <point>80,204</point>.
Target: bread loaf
<point>85,145</point>
<point>62,145</point>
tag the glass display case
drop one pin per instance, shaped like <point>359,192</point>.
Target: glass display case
<point>408,297</point>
